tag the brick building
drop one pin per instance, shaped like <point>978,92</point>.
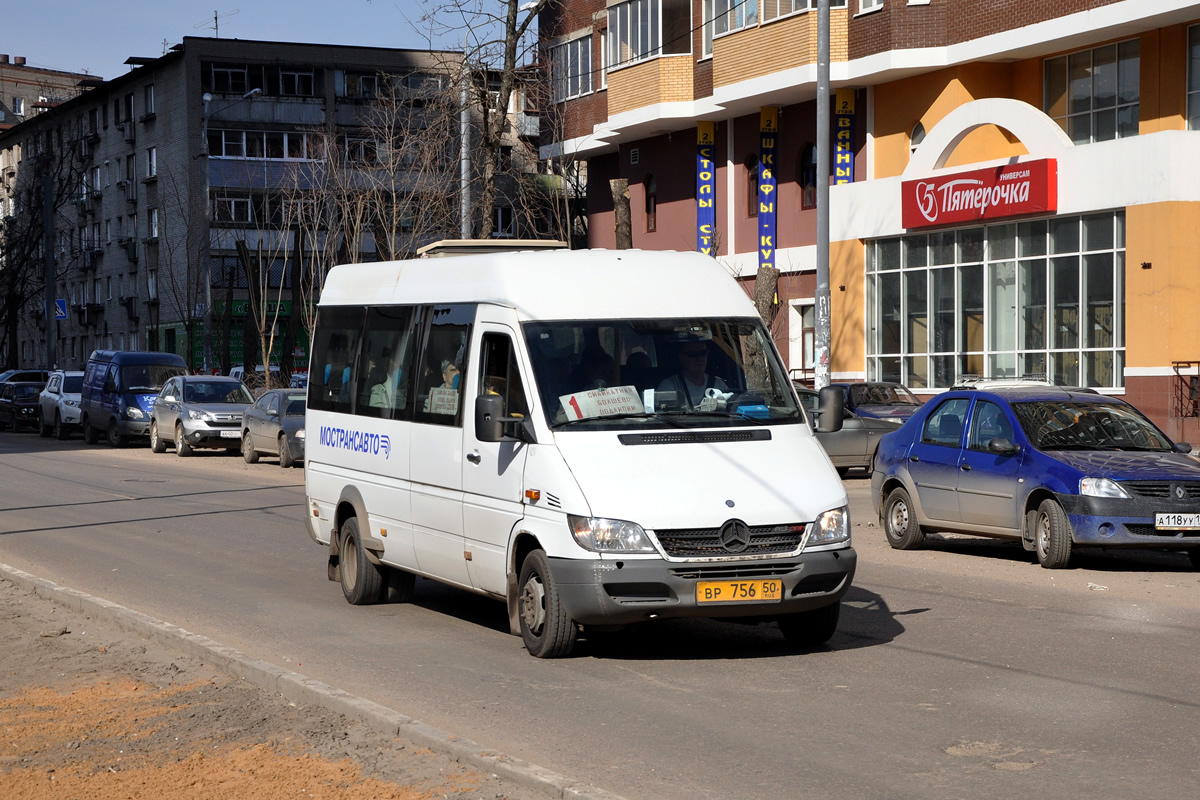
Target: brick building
<point>1079,117</point>
<point>26,91</point>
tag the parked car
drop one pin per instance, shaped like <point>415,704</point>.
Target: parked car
<point>58,404</point>
<point>880,400</point>
<point>854,445</point>
<point>199,411</point>
<point>275,425</point>
<point>19,404</point>
<point>119,387</point>
<point>24,375</point>
<point>1049,467</point>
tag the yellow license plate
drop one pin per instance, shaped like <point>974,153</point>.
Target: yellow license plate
<point>757,591</point>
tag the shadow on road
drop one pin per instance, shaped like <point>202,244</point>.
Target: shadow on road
<point>1082,558</point>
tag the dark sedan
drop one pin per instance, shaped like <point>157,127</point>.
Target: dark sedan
<point>854,445</point>
<point>274,425</point>
<point>19,404</point>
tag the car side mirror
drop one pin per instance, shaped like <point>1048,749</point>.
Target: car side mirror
<point>833,406</point>
<point>272,412</point>
<point>1183,447</point>
<point>1003,447</point>
<point>170,398</point>
<point>492,426</point>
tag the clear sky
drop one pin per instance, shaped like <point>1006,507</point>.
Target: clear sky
<point>96,36</point>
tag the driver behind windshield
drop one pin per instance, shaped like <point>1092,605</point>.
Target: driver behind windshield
<point>692,381</point>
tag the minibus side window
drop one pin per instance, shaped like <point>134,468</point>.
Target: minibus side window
<point>500,375</point>
<point>443,362</point>
<point>387,353</point>
<point>331,375</point>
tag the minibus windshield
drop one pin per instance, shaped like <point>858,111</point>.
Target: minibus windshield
<point>684,372</point>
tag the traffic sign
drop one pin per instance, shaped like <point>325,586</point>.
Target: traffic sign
<point>60,308</point>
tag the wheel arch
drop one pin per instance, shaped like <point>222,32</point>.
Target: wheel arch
<point>1032,501</point>
<point>351,505</point>
<point>522,544</point>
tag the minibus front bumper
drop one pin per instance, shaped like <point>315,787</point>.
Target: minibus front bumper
<point>612,591</point>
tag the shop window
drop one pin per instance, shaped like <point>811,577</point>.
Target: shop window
<point>1094,94</point>
<point>650,187</point>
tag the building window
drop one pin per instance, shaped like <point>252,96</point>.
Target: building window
<point>916,137</point>
<point>229,79</point>
<point>730,15</point>
<point>231,209</point>
<point>1193,89</point>
<point>153,232</point>
<point>752,185</point>
<point>1035,298</point>
<point>296,84</point>
<point>504,161</point>
<point>148,99</point>
<point>643,29</point>
<point>505,222</point>
<point>869,5</point>
<point>604,59</point>
<point>650,186</point>
<point>808,176</point>
<point>1093,94</point>
<point>18,106</point>
<point>151,162</point>
<point>571,66</point>
<point>772,9</point>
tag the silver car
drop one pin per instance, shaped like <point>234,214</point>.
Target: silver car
<point>854,445</point>
<point>58,404</point>
<point>274,425</point>
<point>199,411</point>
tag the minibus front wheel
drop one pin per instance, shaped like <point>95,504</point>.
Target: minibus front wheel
<point>545,627</point>
<point>362,581</point>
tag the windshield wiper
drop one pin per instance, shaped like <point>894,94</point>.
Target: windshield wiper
<point>605,418</point>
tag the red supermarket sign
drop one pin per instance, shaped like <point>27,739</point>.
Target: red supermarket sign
<point>1030,187</point>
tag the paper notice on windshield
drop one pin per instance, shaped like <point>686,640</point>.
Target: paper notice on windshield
<point>602,402</point>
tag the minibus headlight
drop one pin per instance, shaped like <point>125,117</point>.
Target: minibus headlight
<point>1101,487</point>
<point>133,412</point>
<point>609,535</point>
<point>831,527</point>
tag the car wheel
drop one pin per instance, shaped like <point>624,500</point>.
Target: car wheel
<point>810,628</point>
<point>1052,536</point>
<point>285,453</point>
<point>90,434</point>
<point>157,445</point>
<point>1194,555</point>
<point>115,439</point>
<point>61,432</point>
<point>899,520</point>
<point>44,430</point>
<point>248,451</point>
<point>362,581</point>
<point>545,627</point>
<point>182,448</point>
<point>843,471</point>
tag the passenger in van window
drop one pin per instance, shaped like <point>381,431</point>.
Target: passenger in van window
<point>597,370</point>
<point>692,380</point>
<point>443,399</point>
<point>382,392</point>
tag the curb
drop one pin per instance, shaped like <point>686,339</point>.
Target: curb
<point>298,688</point>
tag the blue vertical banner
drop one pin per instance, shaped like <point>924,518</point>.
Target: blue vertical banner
<point>768,130</point>
<point>706,187</point>
<point>843,137</point>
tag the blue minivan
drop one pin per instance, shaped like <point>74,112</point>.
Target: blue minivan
<point>119,387</point>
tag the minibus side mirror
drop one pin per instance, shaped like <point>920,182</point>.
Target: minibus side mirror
<point>833,406</point>
<point>492,426</point>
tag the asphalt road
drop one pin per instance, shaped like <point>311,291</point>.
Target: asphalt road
<point>959,671</point>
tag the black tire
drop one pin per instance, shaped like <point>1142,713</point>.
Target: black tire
<point>1194,555</point>
<point>157,444</point>
<point>4,426</point>
<point>248,451</point>
<point>115,439</point>
<point>182,448</point>
<point>61,431</point>
<point>44,430</point>
<point>1052,536</point>
<point>810,628</point>
<point>401,585</point>
<point>545,627</point>
<point>90,434</point>
<point>843,471</point>
<point>362,581</point>
<point>899,521</point>
<point>285,453</point>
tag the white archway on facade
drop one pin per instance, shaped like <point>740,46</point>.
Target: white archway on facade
<point>1042,136</point>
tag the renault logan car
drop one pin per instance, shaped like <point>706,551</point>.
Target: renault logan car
<point>199,411</point>
<point>1050,467</point>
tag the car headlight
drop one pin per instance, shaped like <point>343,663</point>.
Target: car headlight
<point>200,415</point>
<point>831,527</point>
<point>133,412</point>
<point>1101,487</point>
<point>609,535</point>
<point>300,434</point>
<point>71,403</point>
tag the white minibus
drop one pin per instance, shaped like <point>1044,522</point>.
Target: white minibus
<point>595,437</point>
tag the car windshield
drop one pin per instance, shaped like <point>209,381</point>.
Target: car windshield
<point>216,392</point>
<point>659,373</point>
<point>73,384</point>
<point>882,394</point>
<point>27,392</point>
<point>147,377</point>
<point>1080,425</point>
<point>295,406</point>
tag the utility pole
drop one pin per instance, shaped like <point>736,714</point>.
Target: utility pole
<point>822,300</point>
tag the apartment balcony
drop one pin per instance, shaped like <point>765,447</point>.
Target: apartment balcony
<point>666,79</point>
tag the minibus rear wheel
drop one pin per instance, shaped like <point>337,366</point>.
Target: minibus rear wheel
<point>362,581</point>
<point>545,627</point>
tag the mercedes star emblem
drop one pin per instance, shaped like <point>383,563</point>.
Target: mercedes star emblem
<point>734,536</point>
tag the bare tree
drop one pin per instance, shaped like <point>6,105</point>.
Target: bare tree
<point>180,273</point>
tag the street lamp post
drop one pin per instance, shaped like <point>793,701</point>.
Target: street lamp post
<point>206,239</point>
<point>823,336</point>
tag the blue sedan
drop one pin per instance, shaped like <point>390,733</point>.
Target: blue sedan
<point>1047,466</point>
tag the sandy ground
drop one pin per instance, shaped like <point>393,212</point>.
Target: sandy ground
<point>91,711</point>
